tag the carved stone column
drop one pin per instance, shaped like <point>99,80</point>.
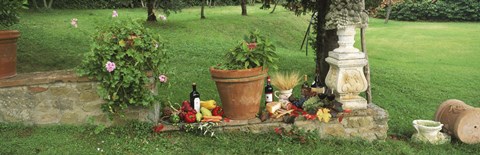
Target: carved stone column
<point>346,76</point>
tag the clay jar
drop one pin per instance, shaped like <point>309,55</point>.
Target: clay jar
<point>460,119</point>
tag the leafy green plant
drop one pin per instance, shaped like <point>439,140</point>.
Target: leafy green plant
<point>122,54</point>
<point>9,12</point>
<point>205,129</point>
<point>254,51</point>
<point>445,10</point>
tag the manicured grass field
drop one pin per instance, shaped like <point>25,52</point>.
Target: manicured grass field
<point>415,66</point>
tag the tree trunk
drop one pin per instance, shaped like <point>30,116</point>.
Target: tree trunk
<point>50,4</point>
<point>366,69</point>
<point>275,6</point>
<point>202,14</point>
<point>326,40</point>
<point>389,10</point>
<point>33,4</point>
<point>244,7</point>
<point>151,15</point>
<point>143,4</point>
<point>45,4</point>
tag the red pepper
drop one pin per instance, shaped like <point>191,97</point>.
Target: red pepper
<point>159,127</point>
<point>217,111</point>
<point>190,117</point>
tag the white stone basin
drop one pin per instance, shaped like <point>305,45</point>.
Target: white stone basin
<point>429,130</point>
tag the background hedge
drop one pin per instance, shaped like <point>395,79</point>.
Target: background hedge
<point>442,10</point>
<point>110,4</point>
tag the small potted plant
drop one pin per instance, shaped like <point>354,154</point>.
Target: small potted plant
<point>123,53</point>
<point>241,77</point>
<point>8,38</point>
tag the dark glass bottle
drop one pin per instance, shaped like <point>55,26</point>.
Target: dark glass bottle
<point>315,82</point>
<point>305,84</point>
<point>268,91</point>
<point>305,88</point>
<point>330,94</point>
<point>195,98</point>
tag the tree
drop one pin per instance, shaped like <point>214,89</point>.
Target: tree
<point>166,5</point>
<point>151,15</point>
<point>202,12</point>
<point>47,5</point>
<point>325,40</point>
<point>243,4</point>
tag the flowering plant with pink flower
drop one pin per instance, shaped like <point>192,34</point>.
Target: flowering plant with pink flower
<point>73,22</point>
<point>114,14</point>
<point>122,54</point>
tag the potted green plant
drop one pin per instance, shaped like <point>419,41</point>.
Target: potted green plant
<point>240,78</point>
<point>8,38</point>
<point>123,53</point>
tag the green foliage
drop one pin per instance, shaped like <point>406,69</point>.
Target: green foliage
<point>97,127</point>
<point>202,128</point>
<point>9,12</point>
<point>135,50</point>
<point>313,104</point>
<point>92,4</point>
<point>372,4</point>
<point>445,10</point>
<point>244,57</point>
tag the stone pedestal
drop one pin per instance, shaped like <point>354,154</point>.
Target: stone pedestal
<point>346,76</point>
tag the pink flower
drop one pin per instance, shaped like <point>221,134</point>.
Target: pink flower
<point>162,78</point>
<point>162,17</point>
<point>73,22</point>
<point>110,66</point>
<point>114,14</point>
<point>251,46</point>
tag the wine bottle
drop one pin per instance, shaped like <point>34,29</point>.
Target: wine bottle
<point>330,95</point>
<point>305,88</point>
<point>268,91</point>
<point>314,83</point>
<point>195,98</point>
<point>305,84</point>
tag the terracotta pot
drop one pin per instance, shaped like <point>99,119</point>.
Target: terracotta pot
<point>240,91</point>
<point>8,53</point>
<point>460,119</point>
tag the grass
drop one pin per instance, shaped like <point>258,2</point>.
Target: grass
<point>414,65</point>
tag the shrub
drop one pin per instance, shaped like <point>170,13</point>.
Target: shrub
<point>9,12</point>
<point>121,55</point>
<point>254,51</point>
<point>445,10</point>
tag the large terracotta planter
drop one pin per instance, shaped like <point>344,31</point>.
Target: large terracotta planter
<point>460,119</point>
<point>240,91</point>
<point>8,53</point>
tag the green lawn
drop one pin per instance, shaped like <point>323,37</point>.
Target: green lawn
<point>415,66</point>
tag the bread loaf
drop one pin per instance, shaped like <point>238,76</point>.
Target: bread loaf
<point>273,106</point>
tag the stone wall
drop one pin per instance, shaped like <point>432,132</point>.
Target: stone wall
<point>367,124</point>
<point>60,97</point>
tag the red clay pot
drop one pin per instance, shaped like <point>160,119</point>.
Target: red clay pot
<point>8,53</point>
<point>240,91</point>
<point>460,120</point>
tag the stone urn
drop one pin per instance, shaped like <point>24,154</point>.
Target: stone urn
<point>428,131</point>
<point>346,77</point>
<point>427,128</point>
